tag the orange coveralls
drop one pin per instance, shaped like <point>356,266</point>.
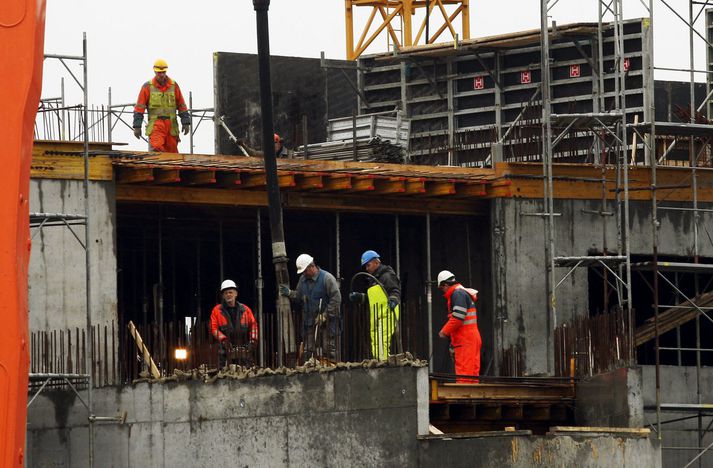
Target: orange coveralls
<point>161,137</point>
<point>462,328</point>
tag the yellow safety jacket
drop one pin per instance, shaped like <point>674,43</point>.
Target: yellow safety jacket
<point>162,105</point>
<point>382,322</point>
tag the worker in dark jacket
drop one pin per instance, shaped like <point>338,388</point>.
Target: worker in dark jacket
<point>384,297</point>
<point>318,293</point>
<point>462,326</point>
<point>234,326</point>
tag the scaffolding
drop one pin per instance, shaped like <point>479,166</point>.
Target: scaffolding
<point>608,135</point>
<point>56,120</point>
<point>39,221</point>
<point>697,130</point>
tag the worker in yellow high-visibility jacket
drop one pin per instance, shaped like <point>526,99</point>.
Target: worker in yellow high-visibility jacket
<point>384,300</point>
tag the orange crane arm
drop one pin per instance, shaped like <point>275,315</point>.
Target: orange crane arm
<point>22,32</point>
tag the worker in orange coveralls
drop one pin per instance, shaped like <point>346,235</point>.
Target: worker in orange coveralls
<point>162,97</point>
<point>234,326</point>
<point>462,326</point>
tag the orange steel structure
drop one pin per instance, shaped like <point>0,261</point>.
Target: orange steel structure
<point>398,18</point>
<point>22,29</point>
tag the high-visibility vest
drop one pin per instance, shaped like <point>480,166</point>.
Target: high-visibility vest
<point>382,321</point>
<point>162,104</point>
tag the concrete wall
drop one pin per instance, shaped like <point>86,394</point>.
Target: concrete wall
<point>679,386</point>
<point>370,417</point>
<point>354,417</point>
<point>613,399</point>
<point>57,292</point>
<point>540,451</point>
<point>519,262</point>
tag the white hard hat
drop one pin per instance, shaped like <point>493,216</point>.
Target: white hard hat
<point>303,261</point>
<point>227,284</point>
<point>445,275</point>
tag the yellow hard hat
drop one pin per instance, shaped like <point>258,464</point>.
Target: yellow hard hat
<point>160,65</point>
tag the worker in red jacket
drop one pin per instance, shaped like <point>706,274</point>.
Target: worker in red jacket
<point>462,326</point>
<point>234,326</point>
<point>162,98</point>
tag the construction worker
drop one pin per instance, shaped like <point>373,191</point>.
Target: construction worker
<point>280,150</point>
<point>162,97</point>
<point>384,296</point>
<point>318,293</point>
<point>462,326</point>
<point>234,326</point>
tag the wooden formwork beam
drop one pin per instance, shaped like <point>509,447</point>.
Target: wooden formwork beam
<point>228,179</point>
<point>134,175</point>
<point>198,177</point>
<point>166,176</point>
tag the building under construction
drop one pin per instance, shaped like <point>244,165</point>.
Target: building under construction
<point>549,171</point>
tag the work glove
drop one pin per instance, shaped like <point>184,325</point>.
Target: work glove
<point>186,129</point>
<point>284,290</point>
<point>137,132</point>
<point>392,303</point>
<point>356,297</point>
<point>321,318</point>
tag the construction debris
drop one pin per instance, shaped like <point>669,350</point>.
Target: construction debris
<point>233,371</point>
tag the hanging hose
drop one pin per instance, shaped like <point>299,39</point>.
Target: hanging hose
<point>399,344</point>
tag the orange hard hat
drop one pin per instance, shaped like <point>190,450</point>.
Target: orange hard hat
<point>277,138</point>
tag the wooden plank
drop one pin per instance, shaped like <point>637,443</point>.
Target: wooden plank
<point>47,165</point>
<point>384,204</point>
<point>144,351</point>
<point>227,178</point>
<point>508,391</point>
<point>470,190</point>
<point>253,179</point>
<point>297,200</point>
<point>337,183</point>
<point>194,177</point>
<point>259,180</point>
<point>537,412</point>
<point>134,175</point>
<point>415,186</point>
<point>166,176</point>
<point>391,185</point>
<point>440,188</point>
<point>672,318</point>
<point>190,196</point>
<point>587,430</point>
<point>362,184</point>
<point>309,182</point>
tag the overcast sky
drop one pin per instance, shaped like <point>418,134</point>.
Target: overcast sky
<point>125,37</point>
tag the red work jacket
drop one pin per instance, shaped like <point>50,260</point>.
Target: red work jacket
<point>219,323</point>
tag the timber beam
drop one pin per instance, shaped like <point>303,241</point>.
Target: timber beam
<point>198,177</point>
<point>134,175</point>
<point>390,185</point>
<point>228,179</point>
<point>166,176</point>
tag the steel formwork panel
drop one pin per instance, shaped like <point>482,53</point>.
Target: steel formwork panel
<point>456,116</point>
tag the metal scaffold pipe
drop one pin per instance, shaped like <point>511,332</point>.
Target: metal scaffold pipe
<point>279,251</point>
